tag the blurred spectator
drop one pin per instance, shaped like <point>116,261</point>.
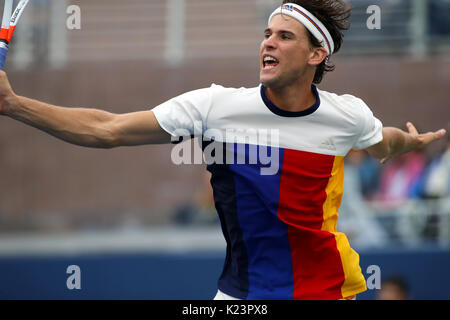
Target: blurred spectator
<point>394,288</point>
<point>439,17</point>
<point>401,178</point>
<point>436,185</point>
<point>369,173</point>
<point>436,182</point>
<point>356,218</point>
<point>200,210</point>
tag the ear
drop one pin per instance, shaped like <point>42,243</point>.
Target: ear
<point>317,56</point>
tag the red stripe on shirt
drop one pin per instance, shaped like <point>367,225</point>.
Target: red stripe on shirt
<point>316,262</point>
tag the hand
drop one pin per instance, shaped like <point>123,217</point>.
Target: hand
<point>5,93</point>
<point>418,140</point>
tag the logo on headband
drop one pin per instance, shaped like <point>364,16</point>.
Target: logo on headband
<point>288,6</point>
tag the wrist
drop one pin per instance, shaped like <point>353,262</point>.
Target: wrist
<point>11,103</point>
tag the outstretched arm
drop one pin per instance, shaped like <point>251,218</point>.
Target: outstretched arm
<point>396,141</point>
<point>85,127</point>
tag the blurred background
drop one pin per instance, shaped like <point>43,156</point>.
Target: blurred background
<point>140,227</point>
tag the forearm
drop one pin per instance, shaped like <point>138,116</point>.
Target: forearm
<point>397,142</point>
<point>84,127</point>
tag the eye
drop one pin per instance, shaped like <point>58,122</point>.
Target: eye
<point>266,35</point>
<point>285,37</point>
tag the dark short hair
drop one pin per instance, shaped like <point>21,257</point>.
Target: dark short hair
<point>333,14</point>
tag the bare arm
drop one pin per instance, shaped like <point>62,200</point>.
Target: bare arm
<point>85,127</point>
<point>396,141</point>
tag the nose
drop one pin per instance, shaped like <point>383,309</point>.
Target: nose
<point>270,43</point>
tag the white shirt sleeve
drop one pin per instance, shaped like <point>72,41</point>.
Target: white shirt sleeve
<point>371,128</point>
<point>186,114</point>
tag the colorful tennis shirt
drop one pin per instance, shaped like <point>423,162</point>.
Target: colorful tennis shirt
<point>278,180</point>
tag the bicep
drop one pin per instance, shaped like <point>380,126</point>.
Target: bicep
<point>138,128</point>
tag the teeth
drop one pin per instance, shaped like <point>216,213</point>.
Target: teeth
<point>270,59</point>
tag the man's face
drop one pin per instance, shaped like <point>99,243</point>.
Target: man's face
<point>285,52</point>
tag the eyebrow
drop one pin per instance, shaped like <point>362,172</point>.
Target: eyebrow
<point>280,31</point>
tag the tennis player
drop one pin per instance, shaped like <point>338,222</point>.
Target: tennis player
<point>280,227</point>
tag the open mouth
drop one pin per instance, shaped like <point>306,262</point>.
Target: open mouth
<point>269,62</point>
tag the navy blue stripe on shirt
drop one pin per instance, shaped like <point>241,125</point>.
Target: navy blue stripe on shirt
<point>264,235</point>
<point>234,278</point>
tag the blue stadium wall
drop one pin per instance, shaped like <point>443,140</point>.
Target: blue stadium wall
<point>193,275</point>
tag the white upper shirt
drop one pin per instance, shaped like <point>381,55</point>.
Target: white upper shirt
<point>335,125</point>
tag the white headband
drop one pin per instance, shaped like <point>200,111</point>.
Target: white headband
<point>311,23</point>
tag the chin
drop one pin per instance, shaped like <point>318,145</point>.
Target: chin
<point>270,83</point>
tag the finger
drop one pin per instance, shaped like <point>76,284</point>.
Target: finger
<point>437,135</point>
<point>440,133</point>
<point>433,136</point>
<point>411,128</point>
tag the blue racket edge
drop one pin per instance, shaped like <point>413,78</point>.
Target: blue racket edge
<point>3,55</point>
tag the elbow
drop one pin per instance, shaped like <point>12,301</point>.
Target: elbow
<point>104,145</point>
<point>111,143</point>
<point>109,140</point>
<point>111,137</point>
<point>96,142</point>
<point>102,137</point>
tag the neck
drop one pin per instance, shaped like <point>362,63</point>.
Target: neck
<point>292,98</point>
